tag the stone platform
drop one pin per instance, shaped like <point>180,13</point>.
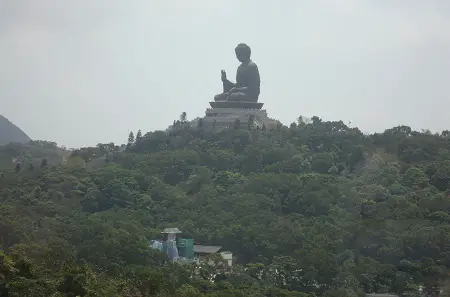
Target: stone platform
<point>220,116</point>
<point>236,104</point>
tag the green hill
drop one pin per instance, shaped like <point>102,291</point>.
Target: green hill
<point>11,133</point>
<point>317,208</point>
<point>31,154</point>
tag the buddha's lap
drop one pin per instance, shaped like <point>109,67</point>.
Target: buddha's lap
<point>237,97</point>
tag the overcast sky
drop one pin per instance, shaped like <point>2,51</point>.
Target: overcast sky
<point>80,72</point>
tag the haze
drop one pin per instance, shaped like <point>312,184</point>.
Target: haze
<point>83,72</point>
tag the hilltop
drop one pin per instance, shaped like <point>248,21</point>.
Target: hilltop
<point>314,209</point>
<point>11,133</point>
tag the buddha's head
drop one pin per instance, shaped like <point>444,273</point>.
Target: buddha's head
<point>243,52</point>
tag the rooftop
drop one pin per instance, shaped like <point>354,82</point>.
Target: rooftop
<point>206,249</point>
<point>171,230</point>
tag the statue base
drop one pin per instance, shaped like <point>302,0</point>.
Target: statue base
<point>236,104</point>
<point>224,117</point>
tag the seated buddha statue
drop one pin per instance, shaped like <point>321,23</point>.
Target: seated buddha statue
<point>246,88</point>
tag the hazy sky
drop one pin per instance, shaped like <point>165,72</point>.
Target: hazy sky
<point>80,72</point>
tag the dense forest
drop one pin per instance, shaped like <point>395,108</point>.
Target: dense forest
<point>314,209</point>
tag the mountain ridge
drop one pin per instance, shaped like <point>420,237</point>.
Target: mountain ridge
<point>9,132</point>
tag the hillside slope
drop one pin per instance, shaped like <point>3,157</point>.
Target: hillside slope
<point>11,133</point>
<point>314,208</point>
<point>31,154</point>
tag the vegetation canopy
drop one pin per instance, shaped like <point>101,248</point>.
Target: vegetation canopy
<point>314,209</point>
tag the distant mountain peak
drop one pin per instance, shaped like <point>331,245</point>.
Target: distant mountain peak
<point>11,133</point>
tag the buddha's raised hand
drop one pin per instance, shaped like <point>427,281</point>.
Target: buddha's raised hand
<point>224,75</point>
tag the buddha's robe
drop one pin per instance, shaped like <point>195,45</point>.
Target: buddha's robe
<point>247,75</point>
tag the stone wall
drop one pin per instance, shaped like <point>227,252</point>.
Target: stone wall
<point>225,117</point>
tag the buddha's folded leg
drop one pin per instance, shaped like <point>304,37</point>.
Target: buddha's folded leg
<point>220,97</point>
<point>238,96</point>
<point>227,86</point>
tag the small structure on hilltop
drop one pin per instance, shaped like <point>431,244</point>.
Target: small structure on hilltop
<point>239,101</point>
<point>201,252</point>
<point>183,249</point>
<point>170,233</point>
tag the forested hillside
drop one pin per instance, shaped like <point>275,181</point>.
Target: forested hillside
<point>31,154</point>
<point>314,209</point>
<point>11,133</point>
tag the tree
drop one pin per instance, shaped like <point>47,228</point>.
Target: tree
<point>138,137</point>
<point>183,117</point>
<point>76,162</point>
<point>303,121</point>
<point>322,162</point>
<point>44,163</point>
<point>414,177</point>
<point>441,178</point>
<point>130,139</point>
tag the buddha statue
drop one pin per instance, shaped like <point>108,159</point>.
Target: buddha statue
<point>247,86</point>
